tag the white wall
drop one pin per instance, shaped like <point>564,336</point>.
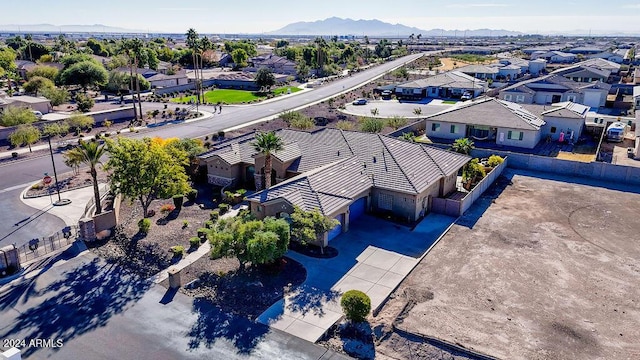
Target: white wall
<point>444,131</point>
<point>594,98</point>
<point>529,140</point>
<point>561,124</point>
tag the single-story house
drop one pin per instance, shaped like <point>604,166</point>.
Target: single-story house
<point>586,50</point>
<point>522,63</point>
<point>601,64</point>
<point>481,72</point>
<point>341,173</point>
<point>537,66</point>
<point>24,66</point>
<point>162,80</point>
<point>555,56</point>
<point>636,98</point>
<point>34,103</point>
<point>565,117</point>
<point>509,72</point>
<point>554,88</point>
<point>609,56</point>
<point>277,64</point>
<point>584,73</point>
<point>490,119</point>
<point>452,84</point>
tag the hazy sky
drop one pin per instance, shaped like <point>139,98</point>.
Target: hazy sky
<point>256,16</point>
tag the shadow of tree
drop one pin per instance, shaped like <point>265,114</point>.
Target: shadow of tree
<point>213,324</point>
<point>84,299</point>
<point>310,299</point>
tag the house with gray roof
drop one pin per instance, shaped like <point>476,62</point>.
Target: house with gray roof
<point>601,64</point>
<point>561,118</point>
<point>609,56</point>
<point>555,88</point>
<point>584,73</point>
<point>490,119</point>
<point>342,173</point>
<point>452,84</point>
<point>482,72</point>
<point>555,56</point>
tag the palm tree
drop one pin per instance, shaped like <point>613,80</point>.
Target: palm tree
<point>462,146</point>
<point>267,143</point>
<point>89,153</point>
<point>193,44</point>
<point>126,48</point>
<point>137,47</point>
<point>29,38</point>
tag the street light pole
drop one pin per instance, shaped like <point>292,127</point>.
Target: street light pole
<point>55,176</point>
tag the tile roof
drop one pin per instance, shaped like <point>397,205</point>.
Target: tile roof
<point>558,84</point>
<point>451,79</point>
<point>477,69</point>
<point>490,112</point>
<point>568,109</point>
<point>391,163</point>
<point>582,71</point>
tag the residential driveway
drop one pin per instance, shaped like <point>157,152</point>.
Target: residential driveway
<point>391,108</point>
<point>374,256</point>
<point>98,312</point>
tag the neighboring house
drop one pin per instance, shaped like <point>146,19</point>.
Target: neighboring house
<point>277,64</point>
<point>566,117</point>
<point>342,173</point>
<point>490,119</point>
<point>586,50</point>
<point>225,60</point>
<point>613,57</point>
<point>482,72</point>
<point>555,57</point>
<point>584,73</point>
<point>538,66</point>
<point>601,64</point>
<point>636,98</point>
<point>554,88</point>
<point>34,103</point>
<point>24,66</point>
<point>452,84</point>
<point>159,80</point>
<point>509,72</point>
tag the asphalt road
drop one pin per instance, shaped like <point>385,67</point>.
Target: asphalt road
<point>16,175</point>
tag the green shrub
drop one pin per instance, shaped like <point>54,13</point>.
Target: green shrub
<point>494,160</point>
<point>178,251</point>
<point>202,233</point>
<point>185,224</point>
<point>223,208</point>
<point>356,305</point>
<point>194,242</point>
<point>208,224</point>
<point>177,201</point>
<point>241,192</point>
<point>302,123</point>
<point>372,125</point>
<point>192,195</point>
<point>214,214</point>
<point>344,125</point>
<point>397,122</point>
<point>144,225</point>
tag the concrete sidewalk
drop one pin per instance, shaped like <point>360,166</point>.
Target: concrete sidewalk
<point>373,257</point>
<point>70,213</point>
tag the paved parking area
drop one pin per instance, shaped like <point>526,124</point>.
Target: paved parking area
<point>374,257</point>
<point>390,108</point>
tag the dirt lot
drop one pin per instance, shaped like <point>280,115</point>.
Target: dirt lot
<point>550,270</point>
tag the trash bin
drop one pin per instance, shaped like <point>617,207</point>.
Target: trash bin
<point>174,277</point>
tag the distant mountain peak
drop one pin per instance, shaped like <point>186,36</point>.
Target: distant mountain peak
<point>373,27</point>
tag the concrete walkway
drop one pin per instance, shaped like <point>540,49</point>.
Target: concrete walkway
<point>70,213</point>
<point>373,257</point>
<point>204,249</point>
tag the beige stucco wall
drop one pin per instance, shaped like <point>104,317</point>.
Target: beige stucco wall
<point>218,167</point>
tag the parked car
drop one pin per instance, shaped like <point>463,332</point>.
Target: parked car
<point>38,114</point>
<point>360,102</point>
<point>466,96</point>
<point>386,93</point>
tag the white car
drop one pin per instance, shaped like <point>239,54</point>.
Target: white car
<point>38,114</point>
<point>466,96</point>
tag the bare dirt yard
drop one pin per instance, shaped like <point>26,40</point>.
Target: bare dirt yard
<point>537,269</point>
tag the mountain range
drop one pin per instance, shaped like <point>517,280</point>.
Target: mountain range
<point>340,26</point>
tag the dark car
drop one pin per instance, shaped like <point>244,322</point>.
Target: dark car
<point>320,120</point>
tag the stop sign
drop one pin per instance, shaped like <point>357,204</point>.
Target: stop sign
<point>46,180</point>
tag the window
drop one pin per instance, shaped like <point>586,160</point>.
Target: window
<point>571,98</point>
<point>453,129</point>
<point>553,129</point>
<point>520,98</point>
<point>515,135</point>
<point>507,97</point>
<point>385,201</point>
<point>435,127</point>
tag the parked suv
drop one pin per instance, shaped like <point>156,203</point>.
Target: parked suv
<point>360,102</point>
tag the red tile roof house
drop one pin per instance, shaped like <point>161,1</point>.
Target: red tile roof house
<point>342,173</point>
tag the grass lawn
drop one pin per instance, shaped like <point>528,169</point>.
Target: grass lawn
<point>227,96</point>
<point>450,102</point>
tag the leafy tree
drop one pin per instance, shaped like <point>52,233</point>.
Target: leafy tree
<point>56,96</point>
<point>25,134</point>
<point>308,226</point>
<point>120,82</point>
<point>117,61</point>
<point>46,58</point>
<point>144,170</point>
<point>89,153</point>
<point>73,59</point>
<point>248,47</point>
<point>239,57</point>
<point>97,47</point>
<point>44,71</point>
<point>38,83</point>
<point>84,74</point>
<point>267,143</point>
<point>462,146</point>
<point>84,102</point>
<point>13,116</point>
<point>265,79</point>
<point>356,305</point>
<point>408,136</point>
<point>35,50</point>
<point>56,129</point>
<point>372,125</point>
<point>7,60</point>
<point>78,122</point>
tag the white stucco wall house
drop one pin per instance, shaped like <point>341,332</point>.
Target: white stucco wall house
<point>487,119</point>
<point>451,84</point>
<point>565,117</point>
